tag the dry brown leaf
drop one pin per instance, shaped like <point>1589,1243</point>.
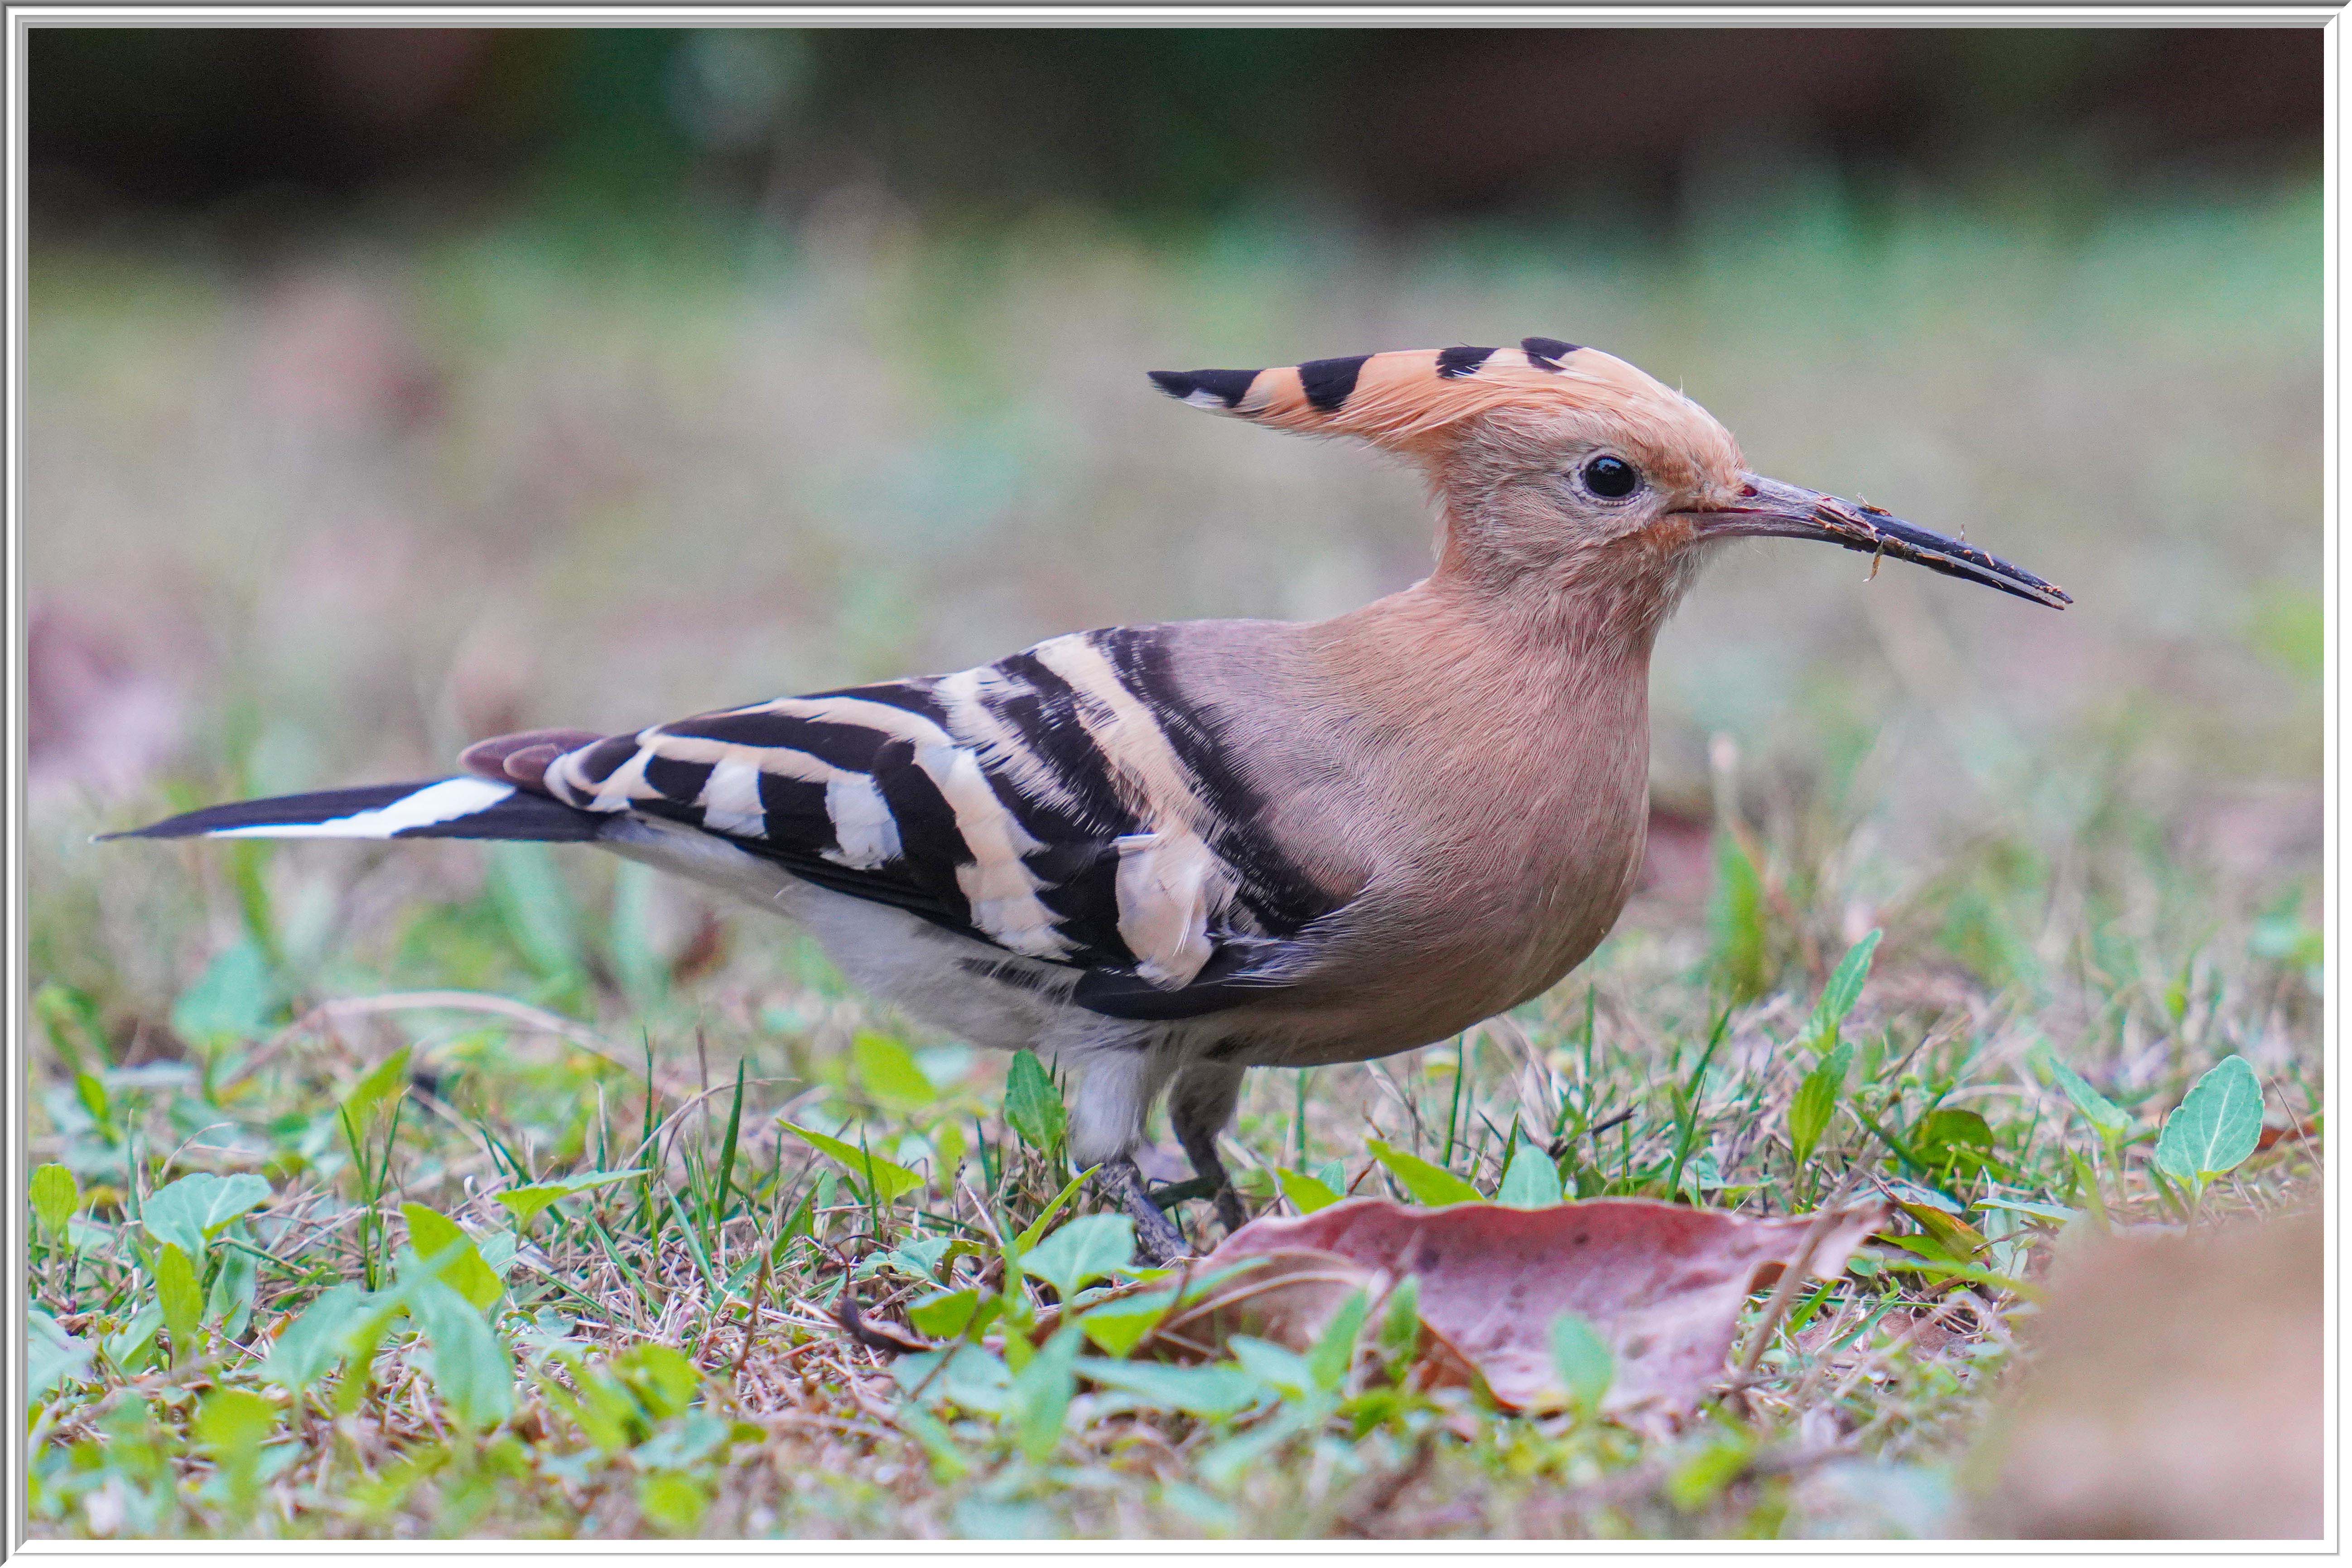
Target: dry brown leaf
<point>1663,1283</point>
<point>2171,1389</point>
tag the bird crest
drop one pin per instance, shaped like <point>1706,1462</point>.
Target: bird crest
<point>1406,399</point>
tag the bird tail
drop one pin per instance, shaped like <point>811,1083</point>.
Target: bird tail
<point>432,808</point>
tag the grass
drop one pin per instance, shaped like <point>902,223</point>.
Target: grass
<point>668,1309</point>
<point>328,529</point>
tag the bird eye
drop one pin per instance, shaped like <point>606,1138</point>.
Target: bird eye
<point>1610,479</point>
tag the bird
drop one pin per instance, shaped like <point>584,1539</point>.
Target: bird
<point>1162,855</point>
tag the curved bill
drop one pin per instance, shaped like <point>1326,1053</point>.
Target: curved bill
<point>1770,510</point>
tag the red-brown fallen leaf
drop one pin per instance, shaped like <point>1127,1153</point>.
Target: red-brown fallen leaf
<point>1663,1283</point>
<point>2273,1136</point>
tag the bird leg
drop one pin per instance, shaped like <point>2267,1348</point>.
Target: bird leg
<point>1157,1239</point>
<point>1199,1105</point>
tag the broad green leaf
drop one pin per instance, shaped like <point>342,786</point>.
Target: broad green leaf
<point>2109,1120</point>
<point>308,1348</point>
<point>918,1257</point>
<point>1033,1106</point>
<point>498,1250</point>
<point>92,1094</point>
<point>964,1374</point>
<point>948,1461</point>
<point>192,1210</point>
<point>673,1500</point>
<point>235,1284</point>
<point>660,1376</point>
<point>1428,1184</point>
<point>231,1000</point>
<point>686,1445</point>
<point>1703,1174</point>
<point>386,1081</point>
<point>2216,1127</point>
<point>1947,1233</point>
<point>1816,1101</point>
<point>887,1071</point>
<point>1041,1393</point>
<point>56,1195</point>
<point>1210,1391</point>
<point>234,1419</point>
<point>527,1204</point>
<point>1279,1367</point>
<point>1305,1192</point>
<point>182,1302</point>
<point>888,1181</point>
<point>1091,1246</point>
<point>1532,1182</point>
<point>433,1235</point>
<point>1843,990</point>
<point>1904,1192</point>
<point>467,1361</point>
<point>128,1347</point>
<point>1335,1352</point>
<point>52,1356</point>
<point>1117,1326</point>
<point>1583,1360</point>
<point>944,1314</point>
<point>232,1422</point>
<point>1953,1137</point>
<point>2059,1213</point>
<point>1699,1479</point>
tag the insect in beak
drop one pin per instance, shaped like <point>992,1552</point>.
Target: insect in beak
<point>1767,508</point>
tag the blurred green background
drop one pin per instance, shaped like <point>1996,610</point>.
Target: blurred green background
<point>390,388</point>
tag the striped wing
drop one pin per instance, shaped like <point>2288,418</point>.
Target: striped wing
<point>1064,805</point>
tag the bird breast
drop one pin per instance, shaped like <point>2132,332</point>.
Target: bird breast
<point>1490,805</point>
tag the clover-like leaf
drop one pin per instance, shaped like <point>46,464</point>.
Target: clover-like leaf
<point>192,1210</point>
<point>1092,1246</point>
<point>1583,1358</point>
<point>56,1194</point>
<point>2216,1127</point>
<point>1532,1182</point>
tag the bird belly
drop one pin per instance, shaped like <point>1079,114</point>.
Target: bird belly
<point>1429,980</point>
<point>980,994</point>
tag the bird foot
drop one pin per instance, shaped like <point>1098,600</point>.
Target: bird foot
<point>1175,1193</point>
<point>1229,1212</point>
<point>1228,1203</point>
<point>1157,1240</point>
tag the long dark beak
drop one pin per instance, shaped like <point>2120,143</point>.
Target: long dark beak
<point>1770,510</point>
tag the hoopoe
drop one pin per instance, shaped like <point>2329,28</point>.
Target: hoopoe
<point>1162,855</point>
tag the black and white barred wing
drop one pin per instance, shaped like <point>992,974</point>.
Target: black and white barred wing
<point>1061,805</point>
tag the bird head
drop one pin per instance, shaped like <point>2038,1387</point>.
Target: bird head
<point>1558,462</point>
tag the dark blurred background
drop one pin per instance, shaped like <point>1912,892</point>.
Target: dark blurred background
<point>1613,127</point>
